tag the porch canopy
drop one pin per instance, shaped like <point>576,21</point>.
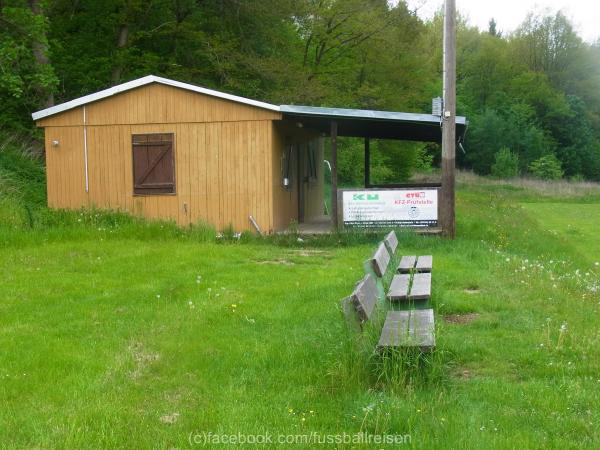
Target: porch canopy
<point>368,124</point>
<point>372,124</point>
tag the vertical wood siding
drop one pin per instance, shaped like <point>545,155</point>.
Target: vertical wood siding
<point>223,158</point>
<point>222,172</point>
<point>65,168</point>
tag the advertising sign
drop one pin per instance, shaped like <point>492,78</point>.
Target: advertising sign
<point>390,208</point>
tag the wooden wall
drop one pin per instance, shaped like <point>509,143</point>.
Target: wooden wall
<point>223,157</point>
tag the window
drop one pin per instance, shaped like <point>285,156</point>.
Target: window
<point>153,164</point>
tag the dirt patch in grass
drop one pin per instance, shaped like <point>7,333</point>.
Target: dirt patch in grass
<point>472,291</point>
<point>282,262</point>
<point>311,252</point>
<point>461,319</point>
<point>169,419</point>
<point>462,373</point>
<point>142,358</point>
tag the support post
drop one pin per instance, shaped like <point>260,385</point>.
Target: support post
<point>334,196</point>
<point>367,163</point>
<point>447,197</point>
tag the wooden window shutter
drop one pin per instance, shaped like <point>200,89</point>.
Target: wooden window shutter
<point>153,164</point>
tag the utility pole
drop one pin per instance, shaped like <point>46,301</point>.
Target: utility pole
<point>447,201</point>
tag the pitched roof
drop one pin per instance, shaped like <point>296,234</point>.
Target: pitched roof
<point>142,82</point>
<point>352,122</point>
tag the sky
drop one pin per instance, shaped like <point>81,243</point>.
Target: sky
<point>584,14</point>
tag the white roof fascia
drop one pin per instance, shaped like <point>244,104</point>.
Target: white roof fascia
<point>142,82</point>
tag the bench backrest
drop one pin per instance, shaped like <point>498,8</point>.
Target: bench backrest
<point>380,260</point>
<point>391,242</point>
<point>364,297</point>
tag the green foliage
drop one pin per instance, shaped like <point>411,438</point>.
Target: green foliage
<point>535,91</point>
<point>546,168</point>
<point>506,164</point>
<point>514,128</point>
<point>22,180</point>
<point>27,81</point>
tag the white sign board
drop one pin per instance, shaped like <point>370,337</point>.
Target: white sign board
<point>392,207</point>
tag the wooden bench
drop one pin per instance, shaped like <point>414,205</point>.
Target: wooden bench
<point>414,328</point>
<point>401,328</point>
<point>419,264</point>
<point>411,329</point>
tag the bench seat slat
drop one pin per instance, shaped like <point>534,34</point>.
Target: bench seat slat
<point>424,263</point>
<point>399,287</point>
<point>407,263</point>
<point>414,328</point>
<point>421,287</point>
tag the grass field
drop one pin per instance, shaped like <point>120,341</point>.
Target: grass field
<point>115,333</point>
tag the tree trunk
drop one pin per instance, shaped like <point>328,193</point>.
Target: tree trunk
<point>121,43</point>
<point>40,53</point>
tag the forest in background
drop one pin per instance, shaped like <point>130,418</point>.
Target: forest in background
<point>532,97</point>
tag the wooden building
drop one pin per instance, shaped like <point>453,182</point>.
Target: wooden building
<point>169,150</point>
<point>163,149</point>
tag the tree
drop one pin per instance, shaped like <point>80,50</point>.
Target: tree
<point>506,164</point>
<point>27,79</point>
<point>546,168</point>
<point>492,28</point>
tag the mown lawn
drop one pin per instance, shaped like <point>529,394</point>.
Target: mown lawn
<point>114,339</point>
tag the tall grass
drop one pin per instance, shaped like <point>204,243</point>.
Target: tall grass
<point>22,180</point>
<point>555,188</point>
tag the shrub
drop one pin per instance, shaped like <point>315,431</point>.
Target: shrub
<point>423,161</point>
<point>547,168</point>
<point>506,164</point>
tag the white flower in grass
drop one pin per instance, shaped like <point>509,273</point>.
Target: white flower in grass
<point>369,408</point>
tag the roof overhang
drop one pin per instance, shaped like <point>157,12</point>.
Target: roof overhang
<point>372,124</point>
